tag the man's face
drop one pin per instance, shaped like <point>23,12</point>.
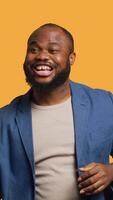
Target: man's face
<point>47,63</point>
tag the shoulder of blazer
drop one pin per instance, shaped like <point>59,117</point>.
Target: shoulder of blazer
<point>15,104</point>
<point>92,95</point>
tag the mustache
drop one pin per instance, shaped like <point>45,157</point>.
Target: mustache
<point>49,64</point>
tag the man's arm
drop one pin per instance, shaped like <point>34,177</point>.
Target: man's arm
<point>95,178</point>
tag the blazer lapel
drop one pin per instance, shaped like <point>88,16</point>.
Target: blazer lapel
<point>80,106</point>
<point>24,124</point>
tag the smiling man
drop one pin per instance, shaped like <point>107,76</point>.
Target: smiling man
<point>55,141</point>
<point>49,55</point>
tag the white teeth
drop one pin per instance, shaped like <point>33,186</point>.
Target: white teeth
<point>39,68</point>
<point>43,68</point>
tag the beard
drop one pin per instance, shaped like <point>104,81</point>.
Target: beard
<point>57,81</point>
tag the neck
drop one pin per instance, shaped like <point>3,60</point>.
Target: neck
<point>56,96</point>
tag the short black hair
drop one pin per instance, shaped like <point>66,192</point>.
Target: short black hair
<point>67,33</point>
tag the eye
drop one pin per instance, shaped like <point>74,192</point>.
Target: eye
<point>33,49</point>
<point>54,51</point>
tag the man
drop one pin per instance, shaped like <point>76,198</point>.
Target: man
<point>55,141</point>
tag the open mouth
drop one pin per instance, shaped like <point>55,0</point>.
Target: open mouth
<point>43,70</point>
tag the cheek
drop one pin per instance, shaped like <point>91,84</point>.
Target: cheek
<point>28,62</point>
<point>62,61</point>
<point>30,57</point>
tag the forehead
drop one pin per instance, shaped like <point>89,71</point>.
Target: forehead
<point>49,35</point>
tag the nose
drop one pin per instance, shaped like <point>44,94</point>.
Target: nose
<point>42,55</point>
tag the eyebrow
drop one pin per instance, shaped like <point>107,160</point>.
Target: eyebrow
<point>34,42</point>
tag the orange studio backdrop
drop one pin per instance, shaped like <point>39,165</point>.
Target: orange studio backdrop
<point>90,22</point>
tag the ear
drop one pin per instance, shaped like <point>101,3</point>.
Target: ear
<point>72,57</point>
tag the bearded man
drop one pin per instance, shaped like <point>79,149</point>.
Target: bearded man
<point>55,141</point>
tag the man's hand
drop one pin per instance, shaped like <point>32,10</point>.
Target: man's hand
<point>95,178</point>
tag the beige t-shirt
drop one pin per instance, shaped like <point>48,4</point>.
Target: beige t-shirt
<point>53,139</point>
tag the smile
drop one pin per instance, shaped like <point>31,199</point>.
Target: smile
<point>43,70</point>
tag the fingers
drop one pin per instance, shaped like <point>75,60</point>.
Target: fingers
<point>93,188</point>
<point>91,173</point>
<point>94,179</point>
<point>93,184</point>
<point>88,172</point>
<point>91,180</point>
<point>88,167</point>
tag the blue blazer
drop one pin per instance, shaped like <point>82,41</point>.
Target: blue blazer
<point>93,126</point>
